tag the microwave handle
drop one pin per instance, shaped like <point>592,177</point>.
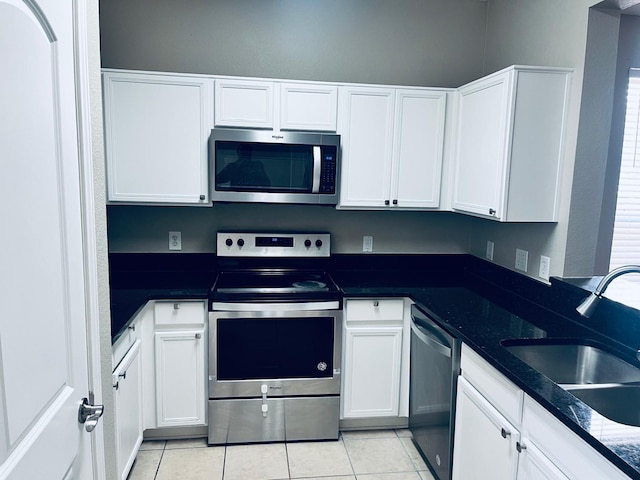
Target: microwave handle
<point>317,169</point>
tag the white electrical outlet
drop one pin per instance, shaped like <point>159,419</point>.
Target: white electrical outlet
<point>522,258</point>
<point>545,265</point>
<point>367,243</point>
<point>489,253</point>
<point>175,240</point>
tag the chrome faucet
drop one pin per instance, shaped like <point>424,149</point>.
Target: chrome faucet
<point>590,303</point>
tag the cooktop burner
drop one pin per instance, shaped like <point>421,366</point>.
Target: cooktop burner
<point>271,267</point>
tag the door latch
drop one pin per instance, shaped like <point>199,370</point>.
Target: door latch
<point>89,414</point>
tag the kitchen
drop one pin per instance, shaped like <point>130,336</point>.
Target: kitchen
<point>139,229</point>
<point>511,32</point>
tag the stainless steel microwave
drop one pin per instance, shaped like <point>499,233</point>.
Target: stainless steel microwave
<point>274,167</point>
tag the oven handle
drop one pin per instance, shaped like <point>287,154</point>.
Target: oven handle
<point>280,307</point>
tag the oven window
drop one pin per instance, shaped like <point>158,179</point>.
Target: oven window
<point>269,348</point>
<point>263,167</point>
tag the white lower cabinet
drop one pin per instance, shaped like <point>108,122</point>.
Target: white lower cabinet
<point>375,359</point>
<point>372,377</point>
<point>177,389</point>
<point>534,465</point>
<point>180,363</point>
<point>485,441</point>
<point>127,383</point>
<point>554,445</point>
<point>500,433</point>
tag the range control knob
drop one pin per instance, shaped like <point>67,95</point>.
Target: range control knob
<point>318,243</point>
<point>240,242</point>
<point>307,243</point>
<point>228,242</point>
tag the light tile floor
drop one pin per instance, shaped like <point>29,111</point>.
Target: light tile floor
<point>370,455</point>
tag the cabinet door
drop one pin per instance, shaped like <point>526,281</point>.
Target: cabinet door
<point>418,148</point>
<point>180,380</point>
<point>534,465</point>
<point>156,131</point>
<point>484,445</point>
<point>127,383</point>
<point>367,134</point>
<point>244,103</point>
<point>481,147</point>
<point>372,364</point>
<point>308,107</point>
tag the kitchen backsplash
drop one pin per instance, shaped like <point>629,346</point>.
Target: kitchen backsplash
<point>140,229</point>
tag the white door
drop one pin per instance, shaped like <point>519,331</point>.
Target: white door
<point>372,365</point>
<point>484,445</point>
<point>43,346</point>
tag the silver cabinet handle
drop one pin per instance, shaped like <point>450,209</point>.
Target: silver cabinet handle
<point>132,327</point>
<point>376,303</point>
<point>202,197</point>
<point>89,414</point>
<point>520,447</point>
<point>198,336</point>
<point>492,211</point>
<point>176,306</point>
<point>505,433</point>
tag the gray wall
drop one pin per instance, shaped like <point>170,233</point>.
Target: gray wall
<point>145,229</point>
<point>541,32</point>
<point>413,42</point>
<point>628,57</point>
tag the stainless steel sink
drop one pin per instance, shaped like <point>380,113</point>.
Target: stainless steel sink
<point>575,364</point>
<point>606,383</point>
<point>620,403</point>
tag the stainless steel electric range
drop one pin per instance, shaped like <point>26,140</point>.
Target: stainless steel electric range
<point>275,340</point>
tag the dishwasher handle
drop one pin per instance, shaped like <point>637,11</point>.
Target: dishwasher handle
<point>428,337</point>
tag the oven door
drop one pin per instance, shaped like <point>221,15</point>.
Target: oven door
<point>285,352</point>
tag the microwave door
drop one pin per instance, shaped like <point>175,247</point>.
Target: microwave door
<point>317,169</point>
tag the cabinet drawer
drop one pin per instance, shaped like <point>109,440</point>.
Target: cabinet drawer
<point>500,392</point>
<point>372,309</point>
<point>179,313</point>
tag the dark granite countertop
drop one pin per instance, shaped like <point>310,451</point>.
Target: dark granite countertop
<point>483,317</point>
<point>478,302</point>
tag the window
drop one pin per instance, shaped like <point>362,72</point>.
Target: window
<point>625,247</point>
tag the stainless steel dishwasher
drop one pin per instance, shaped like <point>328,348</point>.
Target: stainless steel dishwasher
<point>435,365</point>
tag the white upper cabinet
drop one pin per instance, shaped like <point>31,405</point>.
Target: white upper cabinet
<point>275,105</point>
<point>392,147</point>
<point>308,107</point>
<point>367,146</point>
<point>244,103</point>
<point>156,129</point>
<point>509,144</point>
<point>418,148</point>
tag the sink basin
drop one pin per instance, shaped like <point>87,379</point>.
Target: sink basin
<point>620,403</point>
<point>567,363</point>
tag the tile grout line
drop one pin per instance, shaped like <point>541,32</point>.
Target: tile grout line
<point>224,461</point>
<point>286,454</point>
<point>160,461</point>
